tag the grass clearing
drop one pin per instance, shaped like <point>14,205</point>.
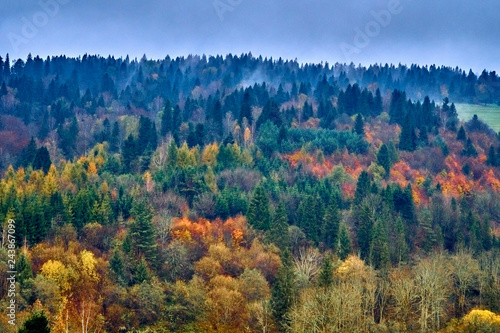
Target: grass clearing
<point>490,114</point>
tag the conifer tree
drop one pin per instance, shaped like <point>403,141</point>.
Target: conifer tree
<point>492,157</point>
<point>142,232</point>
<point>36,323</point>
<point>344,247</point>
<point>364,219</point>
<point>278,231</point>
<point>407,138</point>
<point>325,278</point>
<point>379,249</point>
<point>258,214</point>
<point>330,228</point>
<point>359,125</point>
<point>384,159</point>
<point>42,160</point>
<point>283,292</point>
<point>461,136</point>
<point>362,187</point>
<point>166,119</point>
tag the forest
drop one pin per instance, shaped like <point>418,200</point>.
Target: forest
<point>247,194</point>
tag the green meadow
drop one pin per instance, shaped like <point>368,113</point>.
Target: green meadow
<point>489,113</point>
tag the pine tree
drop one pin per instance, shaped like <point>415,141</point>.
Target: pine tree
<point>363,187</point>
<point>325,278</point>
<point>42,160</point>
<point>258,214</point>
<point>115,136</point>
<point>344,247</point>
<point>23,267</point>
<point>492,157</point>
<point>469,149</point>
<point>384,159</point>
<point>407,138</point>
<point>331,222</point>
<point>28,154</point>
<point>278,231</point>
<point>461,136</point>
<point>379,249</point>
<point>364,219</point>
<point>6,66</point>
<point>283,292</point>
<point>36,323</point>
<point>129,152</point>
<point>166,119</point>
<point>141,272</point>
<point>246,108</point>
<point>142,233</point>
<point>359,125</point>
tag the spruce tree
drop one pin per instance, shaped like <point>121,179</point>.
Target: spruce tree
<point>283,292</point>
<point>330,228</point>
<point>359,125</point>
<point>364,219</point>
<point>325,278</point>
<point>142,232</point>
<point>258,214</point>
<point>407,138</point>
<point>166,119</point>
<point>36,323</point>
<point>379,249</point>
<point>28,154</point>
<point>278,231</point>
<point>362,187</point>
<point>344,247</point>
<point>384,159</point>
<point>492,157</point>
<point>42,160</point>
<point>461,136</point>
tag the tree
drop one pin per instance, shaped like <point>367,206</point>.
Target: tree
<point>359,125</point>
<point>283,292</point>
<point>384,159</point>
<point>407,138</point>
<point>492,157</point>
<point>325,278</point>
<point>29,153</point>
<point>142,232</point>
<point>258,214</point>
<point>330,227</point>
<point>469,149</point>
<point>363,187</point>
<point>42,160</point>
<point>166,119</point>
<point>344,247</point>
<point>379,247</point>
<point>278,231</point>
<point>36,323</point>
<point>461,136</point>
<point>365,220</point>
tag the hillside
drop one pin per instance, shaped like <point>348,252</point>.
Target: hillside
<point>242,194</point>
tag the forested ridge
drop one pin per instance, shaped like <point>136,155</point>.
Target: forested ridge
<point>242,194</point>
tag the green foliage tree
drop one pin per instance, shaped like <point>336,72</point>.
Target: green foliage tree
<point>142,233</point>
<point>36,323</point>
<point>258,214</point>
<point>344,247</point>
<point>42,160</point>
<point>359,125</point>
<point>384,159</point>
<point>325,278</point>
<point>278,231</point>
<point>330,227</point>
<point>283,292</point>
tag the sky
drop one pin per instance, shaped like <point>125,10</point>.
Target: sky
<point>453,33</point>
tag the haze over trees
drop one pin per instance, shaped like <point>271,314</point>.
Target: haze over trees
<point>242,194</point>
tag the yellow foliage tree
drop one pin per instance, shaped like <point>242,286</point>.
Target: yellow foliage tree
<point>209,155</point>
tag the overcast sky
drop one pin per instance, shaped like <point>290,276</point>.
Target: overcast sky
<point>460,33</point>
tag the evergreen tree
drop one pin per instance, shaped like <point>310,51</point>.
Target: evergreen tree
<point>398,245</point>
<point>129,152</point>
<point>141,272</point>
<point>6,66</point>
<point>258,214</point>
<point>28,154</point>
<point>407,138</point>
<point>359,125</point>
<point>42,160</point>
<point>115,137</point>
<point>384,159</point>
<point>116,265</point>
<point>278,231</point>
<point>23,267</point>
<point>364,220</point>
<point>363,187</point>
<point>246,108</point>
<point>142,232</point>
<point>36,323</point>
<point>461,134</point>
<point>325,278</point>
<point>344,247</point>
<point>330,228</point>
<point>283,292</point>
<point>492,157</point>
<point>379,249</point>
<point>166,119</point>
<point>469,149</point>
